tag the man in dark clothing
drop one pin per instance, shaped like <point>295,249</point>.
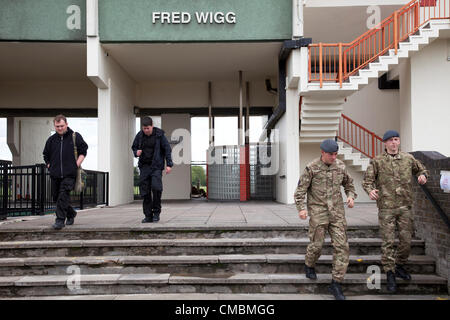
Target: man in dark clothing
<point>152,148</point>
<point>59,157</point>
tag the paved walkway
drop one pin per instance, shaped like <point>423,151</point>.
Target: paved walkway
<point>194,213</point>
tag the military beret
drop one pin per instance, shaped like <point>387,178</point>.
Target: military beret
<point>329,146</point>
<point>389,134</point>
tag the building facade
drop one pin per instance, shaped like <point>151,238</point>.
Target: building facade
<point>120,59</point>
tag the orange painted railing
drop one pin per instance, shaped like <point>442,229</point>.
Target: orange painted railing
<point>361,139</point>
<point>337,61</point>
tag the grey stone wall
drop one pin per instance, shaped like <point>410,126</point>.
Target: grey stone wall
<point>428,223</point>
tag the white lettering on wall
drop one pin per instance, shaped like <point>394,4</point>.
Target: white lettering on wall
<point>171,17</point>
<point>74,20</point>
<point>176,17</point>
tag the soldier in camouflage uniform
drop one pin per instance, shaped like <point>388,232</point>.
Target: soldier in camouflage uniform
<point>321,181</point>
<point>388,180</point>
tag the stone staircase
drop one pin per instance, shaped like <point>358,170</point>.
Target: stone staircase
<point>163,260</point>
<point>352,157</point>
<point>322,107</point>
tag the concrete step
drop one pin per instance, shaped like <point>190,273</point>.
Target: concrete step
<point>98,284</point>
<point>236,296</point>
<point>164,232</point>
<point>218,264</point>
<point>77,248</point>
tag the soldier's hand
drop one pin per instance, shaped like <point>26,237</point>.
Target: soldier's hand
<point>168,169</point>
<point>373,195</point>
<point>422,179</point>
<point>303,214</point>
<point>138,153</point>
<point>350,202</point>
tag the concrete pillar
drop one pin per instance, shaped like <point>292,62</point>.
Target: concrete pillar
<point>177,184</point>
<point>26,139</point>
<point>297,18</point>
<point>116,120</point>
<point>288,129</point>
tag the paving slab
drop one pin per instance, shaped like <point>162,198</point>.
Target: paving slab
<point>189,213</point>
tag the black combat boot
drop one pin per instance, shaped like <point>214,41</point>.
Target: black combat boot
<point>310,273</point>
<point>402,273</point>
<point>147,220</point>
<point>155,216</point>
<point>58,226</point>
<point>391,284</point>
<point>336,290</point>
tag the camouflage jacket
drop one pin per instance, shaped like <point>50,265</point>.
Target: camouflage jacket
<point>322,184</point>
<point>392,176</point>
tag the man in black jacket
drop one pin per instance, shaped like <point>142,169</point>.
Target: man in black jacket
<point>152,148</point>
<point>59,157</point>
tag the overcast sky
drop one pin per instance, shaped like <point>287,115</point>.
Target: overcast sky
<point>226,134</point>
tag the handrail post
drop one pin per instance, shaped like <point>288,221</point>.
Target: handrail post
<point>4,213</point>
<point>340,64</point>
<point>33,190</point>
<point>416,15</point>
<point>43,187</point>
<point>321,64</point>
<point>396,31</point>
<point>373,144</point>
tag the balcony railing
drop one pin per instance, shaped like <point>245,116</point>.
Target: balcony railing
<point>26,190</point>
<point>336,62</point>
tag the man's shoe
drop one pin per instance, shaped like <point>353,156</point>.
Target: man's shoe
<point>70,221</point>
<point>402,273</point>
<point>147,220</point>
<point>336,290</point>
<point>155,217</point>
<point>310,273</point>
<point>391,284</point>
<point>58,226</point>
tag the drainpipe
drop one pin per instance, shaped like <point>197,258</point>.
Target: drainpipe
<point>286,49</point>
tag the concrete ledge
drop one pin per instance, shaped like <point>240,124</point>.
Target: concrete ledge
<point>195,260</point>
<point>182,243</point>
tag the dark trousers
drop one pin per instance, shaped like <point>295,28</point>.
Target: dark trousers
<point>150,188</point>
<point>61,189</point>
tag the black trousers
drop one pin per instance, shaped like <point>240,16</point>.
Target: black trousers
<point>150,188</point>
<point>61,189</point>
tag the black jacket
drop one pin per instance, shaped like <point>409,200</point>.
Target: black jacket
<point>58,152</point>
<point>162,149</point>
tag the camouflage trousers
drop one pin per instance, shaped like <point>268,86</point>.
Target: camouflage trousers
<point>336,226</point>
<point>389,220</point>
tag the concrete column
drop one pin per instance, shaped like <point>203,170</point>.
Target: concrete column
<point>116,120</point>
<point>177,184</point>
<point>26,139</point>
<point>288,129</point>
<point>297,18</point>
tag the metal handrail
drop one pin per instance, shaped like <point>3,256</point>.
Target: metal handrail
<point>359,137</point>
<point>336,62</point>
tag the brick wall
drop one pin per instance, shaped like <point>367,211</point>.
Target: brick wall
<point>428,223</point>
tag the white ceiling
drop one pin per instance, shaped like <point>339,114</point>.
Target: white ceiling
<point>197,61</point>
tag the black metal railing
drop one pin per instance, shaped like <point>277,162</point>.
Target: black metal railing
<point>26,190</point>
